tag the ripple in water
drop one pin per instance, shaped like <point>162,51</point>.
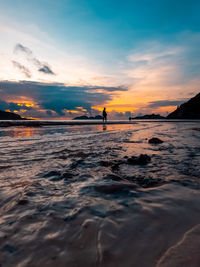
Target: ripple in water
<point>80,194</point>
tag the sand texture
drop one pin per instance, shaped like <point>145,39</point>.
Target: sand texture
<point>96,195</point>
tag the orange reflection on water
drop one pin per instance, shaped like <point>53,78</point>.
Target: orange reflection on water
<point>23,132</point>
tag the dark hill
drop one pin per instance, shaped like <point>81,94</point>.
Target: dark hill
<point>98,117</point>
<point>149,117</point>
<point>188,110</point>
<point>4,115</point>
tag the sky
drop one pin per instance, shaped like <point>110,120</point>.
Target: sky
<point>66,58</point>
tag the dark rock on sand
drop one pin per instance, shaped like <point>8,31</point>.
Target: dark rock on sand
<point>105,163</point>
<point>68,175</point>
<point>145,182</point>
<point>155,140</point>
<point>115,167</point>
<point>116,164</point>
<point>148,182</point>
<point>143,159</point>
<point>22,202</point>
<point>9,248</point>
<point>196,129</point>
<point>112,177</point>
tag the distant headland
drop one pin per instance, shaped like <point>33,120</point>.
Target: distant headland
<point>4,115</point>
<point>188,110</point>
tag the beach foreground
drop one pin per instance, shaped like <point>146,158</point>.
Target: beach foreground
<point>81,196</point>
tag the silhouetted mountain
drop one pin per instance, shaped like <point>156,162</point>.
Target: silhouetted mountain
<point>149,117</point>
<point>188,110</point>
<point>98,117</point>
<point>4,115</point>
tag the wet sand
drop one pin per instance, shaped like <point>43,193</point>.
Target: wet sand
<point>40,123</point>
<point>70,196</point>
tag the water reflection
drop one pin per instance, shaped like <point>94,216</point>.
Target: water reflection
<point>104,127</point>
<point>19,132</point>
<point>23,131</point>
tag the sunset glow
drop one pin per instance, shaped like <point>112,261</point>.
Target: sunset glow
<point>148,66</point>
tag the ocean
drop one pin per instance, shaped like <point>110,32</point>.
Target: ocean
<point>71,195</point>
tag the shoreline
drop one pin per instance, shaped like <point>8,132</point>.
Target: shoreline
<point>71,196</point>
<point>39,123</point>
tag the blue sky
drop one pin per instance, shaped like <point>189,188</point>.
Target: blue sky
<point>150,48</point>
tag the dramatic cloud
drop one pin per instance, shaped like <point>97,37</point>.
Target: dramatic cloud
<point>41,66</point>
<point>12,106</point>
<point>22,68</point>
<point>165,103</point>
<point>57,97</point>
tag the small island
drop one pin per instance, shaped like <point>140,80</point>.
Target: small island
<point>149,117</point>
<point>98,117</point>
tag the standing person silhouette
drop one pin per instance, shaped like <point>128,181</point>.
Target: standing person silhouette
<point>104,115</point>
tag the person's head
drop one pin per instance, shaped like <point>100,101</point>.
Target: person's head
<point>104,108</point>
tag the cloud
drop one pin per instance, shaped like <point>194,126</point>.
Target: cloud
<point>41,66</point>
<point>21,48</point>
<point>46,69</point>
<point>22,68</point>
<point>163,65</point>
<point>57,97</point>
<point>165,103</point>
<point>12,106</point>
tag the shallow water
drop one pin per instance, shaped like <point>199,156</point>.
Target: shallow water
<point>69,197</point>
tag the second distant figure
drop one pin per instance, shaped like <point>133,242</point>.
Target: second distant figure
<point>104,115</point>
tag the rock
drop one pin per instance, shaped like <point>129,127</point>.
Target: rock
<point>143,159</point>
<point>105,163</point>
<point>22,202</point>
<point>8,248</point>
<point>112,177</point>
<point>155,140</point>
<point>115,167</point>
<point>149,182</point>
<point>146,182</point>
<point>68,175</point>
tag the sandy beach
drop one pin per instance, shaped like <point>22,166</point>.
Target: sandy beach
<point>80,195</point>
